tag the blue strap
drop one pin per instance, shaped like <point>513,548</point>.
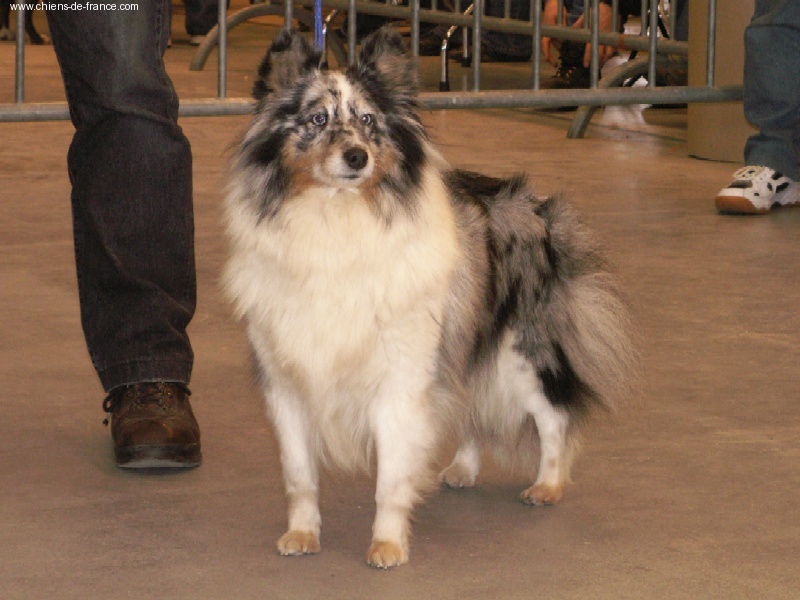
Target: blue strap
<point>318,24</point>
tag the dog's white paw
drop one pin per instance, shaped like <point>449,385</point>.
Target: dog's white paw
<point>457,476</point>
<point>384,555</point>
<point>295,543</point>
<point>541,494</point>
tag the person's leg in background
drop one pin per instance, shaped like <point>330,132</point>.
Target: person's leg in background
<point>771,89</point>
<point>772,104</point>
<point>681,32</point>
<point>497,46</point>
<point>131,171</point>
<point>201,17</point>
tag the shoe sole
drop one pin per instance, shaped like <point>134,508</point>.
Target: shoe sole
<point>736,205</point>
<point>159,457</point>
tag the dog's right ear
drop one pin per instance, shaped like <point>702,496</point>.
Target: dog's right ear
<point>289,58</point>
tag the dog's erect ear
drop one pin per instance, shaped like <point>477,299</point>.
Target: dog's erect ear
<point>383,56</point>
<point>288,59</point>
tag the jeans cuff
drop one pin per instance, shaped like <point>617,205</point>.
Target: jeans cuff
<point>145,370</point>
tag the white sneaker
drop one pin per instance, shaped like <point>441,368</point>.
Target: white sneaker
<point>757,190</point>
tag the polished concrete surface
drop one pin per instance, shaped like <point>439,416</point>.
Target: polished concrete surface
<point>689,491</point>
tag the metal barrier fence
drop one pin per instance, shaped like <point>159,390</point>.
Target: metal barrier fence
<point>600,93</point>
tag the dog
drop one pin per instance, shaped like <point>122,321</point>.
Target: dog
<point>390,300</point>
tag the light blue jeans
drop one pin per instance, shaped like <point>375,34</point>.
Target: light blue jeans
<point>772,86</point>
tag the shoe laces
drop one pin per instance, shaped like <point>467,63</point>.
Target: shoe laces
<point>752,173</point>
<point>154,393</point>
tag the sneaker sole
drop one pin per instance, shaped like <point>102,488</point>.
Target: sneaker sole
<point>736,205</point>
<point>159,457</point>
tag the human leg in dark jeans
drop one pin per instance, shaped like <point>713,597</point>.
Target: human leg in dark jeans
<point>131,173</point>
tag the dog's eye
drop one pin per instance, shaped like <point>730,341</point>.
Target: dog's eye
<point>320,119</point>
<point>367,119</point>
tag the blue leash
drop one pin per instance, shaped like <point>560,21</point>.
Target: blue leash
<point>318,24</point>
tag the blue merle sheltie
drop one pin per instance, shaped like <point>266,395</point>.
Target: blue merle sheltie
<point>391,300</point>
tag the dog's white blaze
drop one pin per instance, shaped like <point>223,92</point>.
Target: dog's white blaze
<point>334,171</point>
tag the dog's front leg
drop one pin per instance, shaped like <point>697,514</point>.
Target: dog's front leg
<point>300,475</point>
<point>403,438</point>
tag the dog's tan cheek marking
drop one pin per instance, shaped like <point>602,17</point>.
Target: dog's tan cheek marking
<point>385,159</point>
<point>300,166</point>
<point>300,183</point>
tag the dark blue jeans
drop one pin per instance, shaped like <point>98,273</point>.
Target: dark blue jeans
<point>772,86</point>
<point>131,171</point>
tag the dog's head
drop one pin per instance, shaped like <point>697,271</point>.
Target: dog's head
<point>357,129</point>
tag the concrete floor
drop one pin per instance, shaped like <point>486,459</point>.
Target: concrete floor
<point>690,491</point>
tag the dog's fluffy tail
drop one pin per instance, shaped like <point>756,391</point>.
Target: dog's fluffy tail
<point>589,358</point>
<point>554,290</point>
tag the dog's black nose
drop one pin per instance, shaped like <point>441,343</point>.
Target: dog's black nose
<point>356,158</point>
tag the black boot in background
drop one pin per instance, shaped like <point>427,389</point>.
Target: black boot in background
<point>571,73</point>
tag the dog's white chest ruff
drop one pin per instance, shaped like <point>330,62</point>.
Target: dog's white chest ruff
<point>337,296</point>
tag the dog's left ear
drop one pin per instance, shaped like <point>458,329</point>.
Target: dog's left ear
<point>289,58</point>
<point>383,57</point>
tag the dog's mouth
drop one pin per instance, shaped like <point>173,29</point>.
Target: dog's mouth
<point>342,180</point>
<point>350,180</point>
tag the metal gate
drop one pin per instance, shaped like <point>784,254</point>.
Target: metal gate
<point>605,92</point>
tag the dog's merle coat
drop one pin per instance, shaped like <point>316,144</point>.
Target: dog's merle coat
<point>388,297</point>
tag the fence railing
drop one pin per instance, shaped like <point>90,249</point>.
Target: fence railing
<point>600,93</point>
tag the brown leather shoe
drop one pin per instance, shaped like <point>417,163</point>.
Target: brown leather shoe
<point>153,426</point>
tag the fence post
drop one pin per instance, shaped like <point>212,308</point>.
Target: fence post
<point>19,82</point>
<point>222,49</point>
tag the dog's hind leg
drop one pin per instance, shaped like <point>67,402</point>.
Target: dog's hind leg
<point>463,471</point>
<point>300,475</point>
<point>556,452</point>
